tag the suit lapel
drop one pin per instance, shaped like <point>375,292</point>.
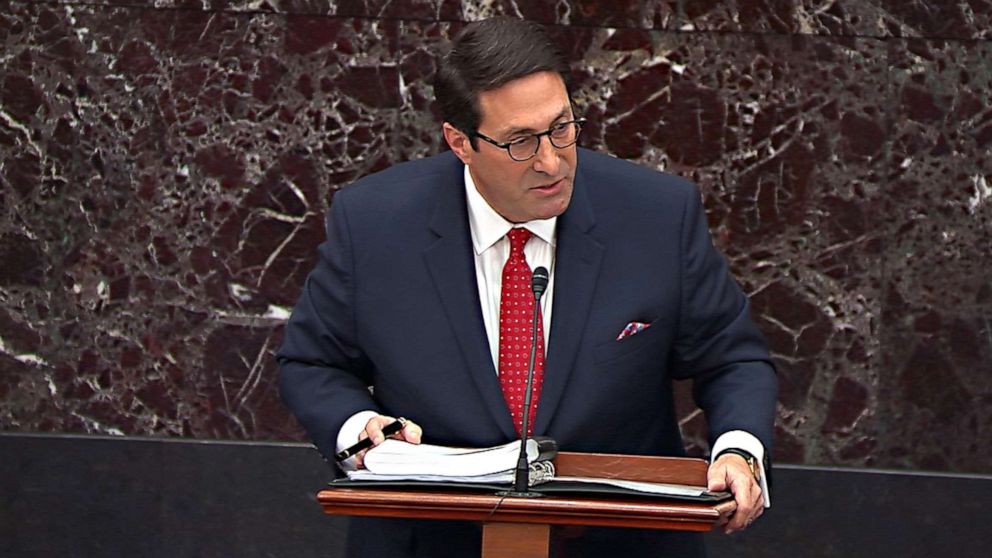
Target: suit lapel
<point>452,268</point>
<point>577,260</point>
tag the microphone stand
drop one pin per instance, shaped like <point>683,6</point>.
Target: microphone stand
<point>521,484</point>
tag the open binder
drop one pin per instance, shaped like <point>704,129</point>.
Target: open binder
<point>396,464</point>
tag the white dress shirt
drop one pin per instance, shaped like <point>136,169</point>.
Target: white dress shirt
<point>492,248</point>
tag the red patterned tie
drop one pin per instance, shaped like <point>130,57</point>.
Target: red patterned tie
<point>516,308</point>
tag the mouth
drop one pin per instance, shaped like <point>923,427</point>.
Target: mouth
<point>551,188</point>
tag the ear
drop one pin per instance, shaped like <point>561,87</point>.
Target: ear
<point>459,143</point>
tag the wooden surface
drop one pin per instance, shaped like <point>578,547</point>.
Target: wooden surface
<point>516,540</point>
<point>672,470</point>
<point>552,510</point>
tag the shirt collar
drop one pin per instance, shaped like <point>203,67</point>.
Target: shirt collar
<point>488,226</point>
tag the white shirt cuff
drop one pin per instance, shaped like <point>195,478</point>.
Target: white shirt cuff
<point>348,435</point>
<point>746,441</point>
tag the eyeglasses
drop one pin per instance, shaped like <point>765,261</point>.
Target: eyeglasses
<point>561,135</point>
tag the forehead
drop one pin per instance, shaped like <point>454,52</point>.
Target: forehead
<point>532,102</point>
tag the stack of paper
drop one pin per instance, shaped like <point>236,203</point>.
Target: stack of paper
<point>398,460</point>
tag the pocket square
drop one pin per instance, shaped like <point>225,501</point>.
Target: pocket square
<point>633,328</point>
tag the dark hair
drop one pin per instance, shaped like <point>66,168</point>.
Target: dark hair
<point>486,55</point>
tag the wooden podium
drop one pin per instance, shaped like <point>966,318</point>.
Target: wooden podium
<point>520,527</point>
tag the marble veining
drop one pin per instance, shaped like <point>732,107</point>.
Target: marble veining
<point>166,166</point>
<point>938,19</point>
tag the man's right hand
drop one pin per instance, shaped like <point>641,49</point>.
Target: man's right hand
<point>411,433</point>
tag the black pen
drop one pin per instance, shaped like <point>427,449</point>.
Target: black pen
<point>388,430</point>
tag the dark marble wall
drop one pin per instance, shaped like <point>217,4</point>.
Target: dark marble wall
<point>165,167</point>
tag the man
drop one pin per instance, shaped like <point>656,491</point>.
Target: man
<point>409,298</point>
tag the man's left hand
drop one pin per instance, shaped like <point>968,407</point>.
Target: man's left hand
<point>731,472</point>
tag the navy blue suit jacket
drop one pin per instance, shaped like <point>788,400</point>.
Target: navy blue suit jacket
<point>393,304</point>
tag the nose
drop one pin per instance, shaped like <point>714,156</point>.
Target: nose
<point>547,160</point>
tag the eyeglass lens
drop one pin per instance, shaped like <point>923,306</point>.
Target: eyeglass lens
<point>561,136</point>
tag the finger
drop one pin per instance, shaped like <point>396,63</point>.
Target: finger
<point>404,433</point>
<point>412,432</point>
<point>716,478</point>
<point>373,428</point>
<point>743,516</point>
<point>757,503</point>
<point>754,516</point>
<point>745,491</point>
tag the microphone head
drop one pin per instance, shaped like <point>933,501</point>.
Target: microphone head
<point>539,281</point>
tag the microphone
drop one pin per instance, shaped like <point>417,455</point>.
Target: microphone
<point>521,484</point>
<point>539,284</point>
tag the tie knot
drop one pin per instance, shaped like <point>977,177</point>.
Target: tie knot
<point>518,238</point>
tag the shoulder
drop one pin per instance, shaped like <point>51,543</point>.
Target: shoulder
<point>407,177</point>
<point>403,185</point>
<point>607,178</point>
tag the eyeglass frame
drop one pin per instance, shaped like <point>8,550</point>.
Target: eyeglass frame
<point>506,145</point>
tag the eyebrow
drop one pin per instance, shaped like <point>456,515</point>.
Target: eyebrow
<point>513,131</point>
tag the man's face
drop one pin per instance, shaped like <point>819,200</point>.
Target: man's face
<point>521,191</point>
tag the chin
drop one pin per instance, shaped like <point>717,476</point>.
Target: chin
<point>561,206</point>
<point>552,211</point>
